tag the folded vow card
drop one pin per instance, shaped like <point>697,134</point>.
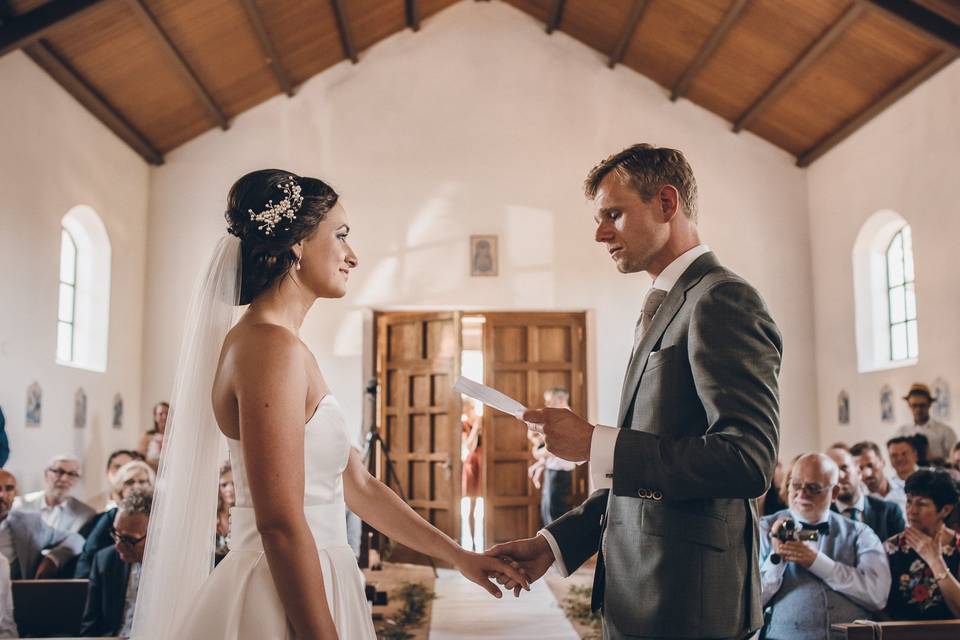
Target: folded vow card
<point>489,397</point>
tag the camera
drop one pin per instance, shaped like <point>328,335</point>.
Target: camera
<point>790,532</point>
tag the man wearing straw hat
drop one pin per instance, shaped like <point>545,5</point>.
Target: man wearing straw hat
<point>940,436</point>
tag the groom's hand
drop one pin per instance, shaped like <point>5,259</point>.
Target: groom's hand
<point>566,434</point>
<point>532,555</point>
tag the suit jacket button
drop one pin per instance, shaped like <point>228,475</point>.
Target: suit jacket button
<point>657,495</point>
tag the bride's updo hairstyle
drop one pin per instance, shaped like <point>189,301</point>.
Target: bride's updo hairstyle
<point>270,211</point>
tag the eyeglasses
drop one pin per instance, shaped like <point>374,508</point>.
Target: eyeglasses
<point>121,538</point>
<point>811,488</point>
<point>60,472</point>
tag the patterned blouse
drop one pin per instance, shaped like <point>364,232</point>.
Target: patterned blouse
<point>914,594</point>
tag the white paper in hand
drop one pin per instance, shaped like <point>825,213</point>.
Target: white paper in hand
<point>489,397</point>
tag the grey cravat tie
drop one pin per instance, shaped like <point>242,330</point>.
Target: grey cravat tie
<point>653,301</point>
<point>853,513</point>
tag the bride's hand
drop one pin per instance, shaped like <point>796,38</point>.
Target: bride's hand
<point>479,568</point>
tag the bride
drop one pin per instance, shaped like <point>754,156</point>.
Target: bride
<point>290,572</point>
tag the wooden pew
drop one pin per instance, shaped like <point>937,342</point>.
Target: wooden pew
<point>43,608</point>
<point>933,630</point>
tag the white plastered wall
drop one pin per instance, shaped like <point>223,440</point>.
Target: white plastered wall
<point>54,156</point>
<point>482,124</point>
<point>905,160</point>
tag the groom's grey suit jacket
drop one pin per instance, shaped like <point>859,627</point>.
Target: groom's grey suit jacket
<point>699,418</point>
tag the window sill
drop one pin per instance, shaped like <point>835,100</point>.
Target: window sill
<point>885,366</point>
<point>81,365</point>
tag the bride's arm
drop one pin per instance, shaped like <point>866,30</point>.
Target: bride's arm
<point>383,509</point>
<point>271,388</point>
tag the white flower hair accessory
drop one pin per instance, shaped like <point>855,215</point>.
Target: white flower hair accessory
<point>286,208</point>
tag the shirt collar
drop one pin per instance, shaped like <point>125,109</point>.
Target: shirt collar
<point>859,505</point>
<point>669,276</point>
<point>798,519</point>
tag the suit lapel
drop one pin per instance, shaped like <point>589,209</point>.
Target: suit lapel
<point>664,316</point>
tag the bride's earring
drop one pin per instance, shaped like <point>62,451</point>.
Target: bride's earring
<point>298,264</point>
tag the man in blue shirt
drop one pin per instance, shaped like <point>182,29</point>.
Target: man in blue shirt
<point>841,577</point>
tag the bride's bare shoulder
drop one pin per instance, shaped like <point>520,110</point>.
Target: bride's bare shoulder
<point>262,346</point>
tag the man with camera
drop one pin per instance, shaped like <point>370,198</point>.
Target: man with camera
<point>818,567</point>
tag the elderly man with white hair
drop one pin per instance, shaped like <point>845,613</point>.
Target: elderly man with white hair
<point>57,508</point>
<point>807,585</point>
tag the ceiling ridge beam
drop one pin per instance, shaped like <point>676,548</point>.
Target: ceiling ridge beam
<point>149,21</point>
<point>921,21</point>
<point>804,62</point>
<point>902,88</point>
<point>633,23</point>
<point>553,22</point>
<point>19,31</point>
<point>266,44</point>
<point>412,14</point>
<point>713,42</point>
<point>84,93</point>
<point>349,51</point>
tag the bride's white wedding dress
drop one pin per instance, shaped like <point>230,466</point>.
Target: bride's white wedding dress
<point>239,601</point>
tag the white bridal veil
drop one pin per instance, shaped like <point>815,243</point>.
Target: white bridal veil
<point>180,538</point>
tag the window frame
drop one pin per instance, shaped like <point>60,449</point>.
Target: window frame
<point>72,323</point>
<point>905,284</point>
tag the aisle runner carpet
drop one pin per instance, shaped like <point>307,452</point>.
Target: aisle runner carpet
<point>464,611</point>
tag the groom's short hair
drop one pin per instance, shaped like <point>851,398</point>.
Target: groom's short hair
<point>647,168</point>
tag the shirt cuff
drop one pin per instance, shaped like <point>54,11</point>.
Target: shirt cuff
<point>558,557</point>
<point>822,567</point>
<point>603,442</point>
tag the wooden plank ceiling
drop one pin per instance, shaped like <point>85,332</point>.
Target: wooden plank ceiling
<point>802,74</point>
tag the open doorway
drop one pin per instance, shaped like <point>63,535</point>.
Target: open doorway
<point>418,357</point>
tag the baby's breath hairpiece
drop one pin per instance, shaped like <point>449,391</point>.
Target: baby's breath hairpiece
<point>286,208</point>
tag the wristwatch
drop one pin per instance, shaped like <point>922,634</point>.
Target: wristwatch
<point>938,578</point>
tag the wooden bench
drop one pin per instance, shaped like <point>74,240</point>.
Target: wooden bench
<point>933,630</point>
<point>44,608</point>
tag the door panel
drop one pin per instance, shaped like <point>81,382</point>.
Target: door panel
<point>418,359</point>
<point>524,355</point>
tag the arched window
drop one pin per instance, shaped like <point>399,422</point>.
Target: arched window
<point>901,297</point>
<point>885,296</point>
<point>83,317</point>
<point>66,316</point>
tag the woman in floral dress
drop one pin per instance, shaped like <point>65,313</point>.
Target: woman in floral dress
<point>925,558</point>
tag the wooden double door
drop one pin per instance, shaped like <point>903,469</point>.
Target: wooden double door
<point>417,361</point>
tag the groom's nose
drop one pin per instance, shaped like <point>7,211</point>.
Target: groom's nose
<point>604,233</point>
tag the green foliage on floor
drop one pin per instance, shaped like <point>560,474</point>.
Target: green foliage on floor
<point>415,597</point>
<point>576,604</point>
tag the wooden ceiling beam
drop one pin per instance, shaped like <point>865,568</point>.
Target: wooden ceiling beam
<point>349,51</point>
<point>148,20</point>
<point>68,78</point>
<point>412,13</point>
<point>266,44</point>
<point>713,42</point>
<point>899,90</point>
<point>553,22</point>
<point>631,26</point>
<point>19,31</point>
<point>804,62</point>
<point>920,20</point>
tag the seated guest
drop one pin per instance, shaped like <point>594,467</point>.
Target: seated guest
<point>955,456</point>
<point>106,500</point>
<point>940,437</point>
<point>54,503</point>
<point>873,471</point>
<point>772,502</point>
<point>135,476</point>
<point>905,457</point>
<point>225,500</point>
<point>840,578</point>
<point>925,558</point>
<point>151,444</point>
<point>8,626</point>
<point>115,575</point>
<point>34,549</point>
<point>885,518</point>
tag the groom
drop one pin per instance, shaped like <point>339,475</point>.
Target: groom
<point>673,518</point>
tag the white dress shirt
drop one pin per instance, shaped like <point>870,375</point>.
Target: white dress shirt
<point>133,585</point>
<point>604,439</point>
<point>7,550</point>
<point>867,584</point>
<point>940,437</point>
<point>8,627</point>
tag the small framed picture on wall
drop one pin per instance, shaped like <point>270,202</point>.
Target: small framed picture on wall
<point>483,255</point>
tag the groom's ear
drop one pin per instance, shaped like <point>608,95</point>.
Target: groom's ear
<point>669,200</point>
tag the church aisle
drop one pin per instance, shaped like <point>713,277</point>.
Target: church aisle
<point>463,611</point>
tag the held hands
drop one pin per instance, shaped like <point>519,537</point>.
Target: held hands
<point>566,434</point>
<point>792,551</point>
<point>46,570</point>
<point>533,556</point>
<point>479,568</point>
